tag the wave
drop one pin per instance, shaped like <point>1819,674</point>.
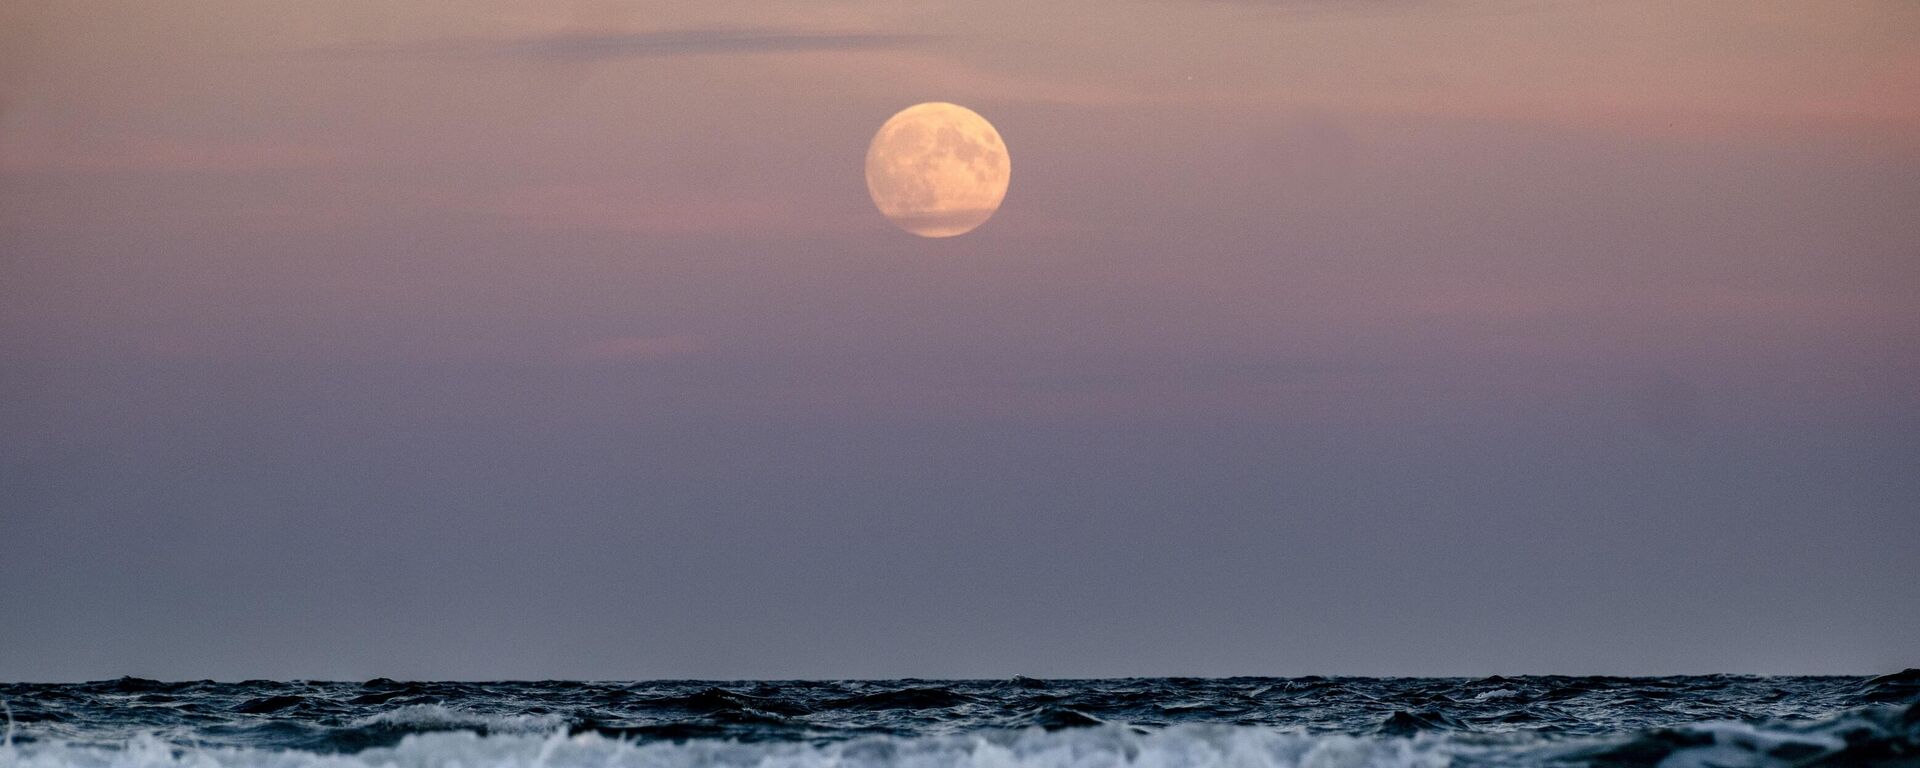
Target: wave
<point>1246,722</point>
<point>1186,747</point>
<point>1884,736</point>
<point>432,717</point>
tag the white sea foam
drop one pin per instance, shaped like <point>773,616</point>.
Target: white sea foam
<point>1497,693</point>
<point>437,716</point>
<point>1108,747</point>
<point>507,745</point>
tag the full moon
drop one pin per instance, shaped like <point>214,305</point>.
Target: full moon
<point>937,169</point>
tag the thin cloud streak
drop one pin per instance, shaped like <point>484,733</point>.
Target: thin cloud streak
<point>1373,9</point>
<point>659,43</point>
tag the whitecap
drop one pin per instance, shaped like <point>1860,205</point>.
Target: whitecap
<point>1105,747</point>
<point>436,716</point>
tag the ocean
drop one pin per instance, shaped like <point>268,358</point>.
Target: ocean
<point>1242,722</point>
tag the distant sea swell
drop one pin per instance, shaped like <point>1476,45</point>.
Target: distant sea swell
<point>1152,723</point>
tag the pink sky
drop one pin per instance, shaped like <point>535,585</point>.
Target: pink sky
<point>249,249</point>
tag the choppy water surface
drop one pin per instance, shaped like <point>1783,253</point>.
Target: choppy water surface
<point>1238,722</point>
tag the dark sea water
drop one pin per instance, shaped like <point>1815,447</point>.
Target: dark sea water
<point>1231,723</point>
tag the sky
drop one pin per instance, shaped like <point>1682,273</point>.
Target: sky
<point>517,339</point>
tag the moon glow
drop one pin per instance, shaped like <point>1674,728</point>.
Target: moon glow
<point>937,169</point>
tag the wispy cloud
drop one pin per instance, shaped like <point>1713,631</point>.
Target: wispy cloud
<point>1368,9</point>
<point>658,43</point>
<point>21,150</point>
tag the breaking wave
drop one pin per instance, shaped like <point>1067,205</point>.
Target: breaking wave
<point>1717,722</point>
